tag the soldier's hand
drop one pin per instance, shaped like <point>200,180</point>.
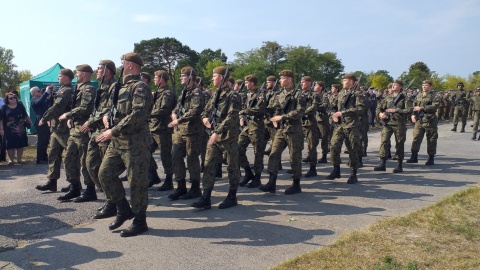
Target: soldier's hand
<point>40,123</point>
<point>275,119</point>
<point>241,122</point>
<point>85,128</point>
<point>382,115</point>
<point>173,123</point>
<point>105,121</point>
<point>105,136</point>
<point>335,119</point>
<point>49,124</point>
<point>63,117</point>
<point>206,123</point>
<point>174,116</point>
<point>212,139</point>
<point>417,108</point>
<point>70,123</point>
<point>414,120</point>
<point>337,115</point>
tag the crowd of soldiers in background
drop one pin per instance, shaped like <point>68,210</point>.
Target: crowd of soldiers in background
<point>121,124</point>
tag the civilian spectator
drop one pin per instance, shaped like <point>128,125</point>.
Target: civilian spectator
<point>40,103</point>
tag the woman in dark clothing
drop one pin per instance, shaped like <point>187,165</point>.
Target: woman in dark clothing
<point>14,120</point>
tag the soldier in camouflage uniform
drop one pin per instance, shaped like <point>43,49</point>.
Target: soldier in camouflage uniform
<point>77,144</point>
<point>392,112</point>
<point>224,106</point>
<point>332,108</point>
<point>441,106</point>
<point>59,131</point>
<point>459,100</point>
<point>129,147</point>
<point>364,127</point>
<point>253,131</point>
<point>95,151</point>
<point>350,106</point>
<point>289,110</point>
<point>310,125</point>
<point>447,104</point>
<point>426,122</point>
<point>322,119</point>
<point>207,93</point>
<point>475,104</point>
<point>187,136</point>
<point>270,96</point>
<point>164,101</point>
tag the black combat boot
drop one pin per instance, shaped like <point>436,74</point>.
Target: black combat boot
<point>88,195</point>
<point>271,185</point>
<point>454,128</point>
<point>218,171</point>
<point>413,158</point>
<point>256,182</point>
<point>153,178</point>
<point>474,137</point>
<point>230,201</point>
<point>194,191</point>
<point>430,160</point>
<point>204,201</point>
<point>139,225</point>
<point>124,213</point>
<point>353,177</point>
<point>294,188</point>
<point>73,192</point>
<point>399,168</point>
<point>463,129</point>
<point>108,210</point>
<point>51,185</point>
<point>248,176</point>
<point>323,159</point>
<point>168,184</point>
<point>381,167</point>
<point>306,160</point>
<point>335,173</point>
<point>66,189</point>
<point>312,172</point>
<point>180,191</point>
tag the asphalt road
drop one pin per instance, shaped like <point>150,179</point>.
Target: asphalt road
<point>38,232</point>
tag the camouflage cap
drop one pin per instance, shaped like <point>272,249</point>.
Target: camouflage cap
<point>251,78</point>
<point>349,76</point>
<point>84,68</point>
<point>398,82</point>
<point>162,74</point>
<point>186,71</point>
<point>460,84</point>
<point>222,70</point>
<point>286,73</point>
<point>306,78</point>
<point>133,57</point>
<point>427,82</point>
<point>110,65</point>
<point>271,79</point>
<point>67,72</point>
<point>147,76</point>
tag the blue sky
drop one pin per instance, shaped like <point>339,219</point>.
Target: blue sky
<point>366,35</point>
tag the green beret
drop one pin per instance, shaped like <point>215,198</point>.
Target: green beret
<point>67,72</point>
<point>84,68</point>
<point>251,78</point>
<point>186,70</point>
<point>110,65</point>
<point>398,82</point>
<point>287,73</point>
<point>222,70</point>
<point>349,76</point>
<point>427,82</point>
<point>271,79</point>
<point>162,74</point>
<point>147,76</point>
<point>133,57</point>
<point>307,78</point>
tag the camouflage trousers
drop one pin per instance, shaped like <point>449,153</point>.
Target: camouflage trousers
<point>400,138</point>
<point>164,140</point>
<point>294,142</point>
<point>189,146</point>
<point>324,128</point>
<point>75,158</point>
<point>432,135</point>
<point>95,153</point>
<point>214,156</point>
<point>364,127</point>
<point>58,143</point>
<point>203,146</point>
<point>257,138</point>
<point>312,134</point>
<point>135,161</point>
<point>352,142</point>
<point>460,112</point>
<point>476,117</point>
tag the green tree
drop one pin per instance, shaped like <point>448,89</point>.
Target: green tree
<point>380,81</point>
<point>8,74</point>
<point>24,75</point>
<point>205,56</point>
<point>418,71</point>
<point>303,61</point>
<point>250,62</point>
<point>330,67</point>
<point>165,53</point>
<point>450,82</point>
<point>473,80</point>
<point>274,55</point>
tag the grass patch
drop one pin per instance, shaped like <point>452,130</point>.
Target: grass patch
<point>445,235</point>
<point>29,155</point>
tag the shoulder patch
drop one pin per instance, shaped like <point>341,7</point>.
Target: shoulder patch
<point>87,90</point>
<point>139,89</point>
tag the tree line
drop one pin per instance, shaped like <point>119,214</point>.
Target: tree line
<point>171,55</point>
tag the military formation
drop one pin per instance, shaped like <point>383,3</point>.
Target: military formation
<point>115,130</point>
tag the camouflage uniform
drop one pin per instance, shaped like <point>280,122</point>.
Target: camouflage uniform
<point>310,126</point>
<point>129,147</point>
<point>270,97</point>
<point>475,104</point>
<point>203,145</point>
<point>460,103</point>
<point>364,127</point>
<point>323,123</point>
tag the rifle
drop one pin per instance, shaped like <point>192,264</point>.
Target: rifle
<point>214,113</point>
<point>73,105</point>
<point>247,118</point>
<point>99,92</point>
<point>113,108</point>
<point>347,99</point>
<point>393,105</point>
<point>181,103</point>
<point>287,103</point>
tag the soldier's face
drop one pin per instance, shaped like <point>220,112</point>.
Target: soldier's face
<point>63,79</point>
<point>426,87</point>
<point>270,84</point>
<point>460,87</point>
<point>99,72</point>
<point>396,87</point>
<point>285,81</point>
<point>157,80</point>
<point>183,78</point>
<point>249,85</point>
<point>305,84</point>
<point>318,88</point>
<point>217,79</point>
<point>347,83</point>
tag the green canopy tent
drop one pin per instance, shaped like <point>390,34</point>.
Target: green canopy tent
<point>42,80</point>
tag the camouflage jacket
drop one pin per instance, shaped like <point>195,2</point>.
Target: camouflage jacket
<point>164,101</point>
<point>62,100</point>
